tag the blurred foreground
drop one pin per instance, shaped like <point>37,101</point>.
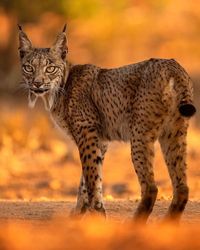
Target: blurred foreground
<point>35,226</point>
<point>61,234</point>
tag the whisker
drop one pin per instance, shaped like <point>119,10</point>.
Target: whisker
<point>23,85</point>
<point>21,90</point>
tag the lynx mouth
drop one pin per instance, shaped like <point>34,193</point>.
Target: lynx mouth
<point>39,91</point>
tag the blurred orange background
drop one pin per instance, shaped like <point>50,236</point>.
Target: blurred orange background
<point>36,161</point>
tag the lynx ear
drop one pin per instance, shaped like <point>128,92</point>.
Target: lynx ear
<point>60,45</point>
<point>24,42</point>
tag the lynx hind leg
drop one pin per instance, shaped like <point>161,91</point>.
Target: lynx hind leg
<point>173,145</point>
<point>90,191</point>
<point>142,149</point>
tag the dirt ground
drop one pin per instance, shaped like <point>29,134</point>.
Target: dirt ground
<point>46,225</point>
<point>117,210</point>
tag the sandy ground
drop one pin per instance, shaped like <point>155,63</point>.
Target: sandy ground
<point>117,210</point>
<point>45,225</point>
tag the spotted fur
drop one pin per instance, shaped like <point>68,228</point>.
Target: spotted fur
<point>138,103</point>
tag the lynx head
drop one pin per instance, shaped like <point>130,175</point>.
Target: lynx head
<point>44,70</point>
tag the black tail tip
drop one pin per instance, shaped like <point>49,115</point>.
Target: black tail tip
<point>187,110</point>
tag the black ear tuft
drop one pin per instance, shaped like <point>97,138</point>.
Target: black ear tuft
<point>19,27</point>
<point>187,110</point>
<point>64,28</point>
<point>63,55</point>
<point>21,54</point>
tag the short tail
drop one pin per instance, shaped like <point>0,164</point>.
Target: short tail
<point>184,89</point>
<point>185,99</point>
<point>187,109</point>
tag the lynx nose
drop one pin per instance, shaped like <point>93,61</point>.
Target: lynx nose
<point>38,84</point>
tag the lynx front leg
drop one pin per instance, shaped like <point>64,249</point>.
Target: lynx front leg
<point>91,154</point>
<point>173,144</point>
<point>142,149</point>
<point>82,199</point>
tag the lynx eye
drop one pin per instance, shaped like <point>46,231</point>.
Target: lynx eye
<point>51,69</point>
<point>28,68</point>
